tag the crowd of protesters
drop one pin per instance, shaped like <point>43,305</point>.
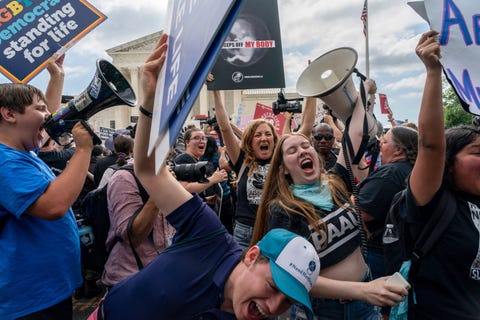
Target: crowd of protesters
<point>222,247</point>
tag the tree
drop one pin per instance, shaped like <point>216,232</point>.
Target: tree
<point>453,112</point>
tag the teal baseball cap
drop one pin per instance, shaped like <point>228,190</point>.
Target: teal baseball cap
<point>294,264</point>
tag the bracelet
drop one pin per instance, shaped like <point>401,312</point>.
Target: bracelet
<point>390,120</point>
<point>145,112</point>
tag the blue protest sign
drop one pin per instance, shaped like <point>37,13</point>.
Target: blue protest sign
<point>191,54</point>
<point>31,31</point>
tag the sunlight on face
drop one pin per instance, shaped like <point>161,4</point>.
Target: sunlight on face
<point>300,160</point>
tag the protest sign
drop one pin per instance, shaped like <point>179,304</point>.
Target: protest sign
<point>190,56</point>
<point>458,22</point>
<point>384,107</point>
<point>251,57</point>
<point>265,112</point>
<point>31,31</point>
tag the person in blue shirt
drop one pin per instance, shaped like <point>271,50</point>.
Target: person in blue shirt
<point>39,241</point>
<point>203,274</point>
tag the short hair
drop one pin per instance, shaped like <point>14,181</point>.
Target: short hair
<point>188,134</point>
<point>16,96</point>
<point>322,126</point>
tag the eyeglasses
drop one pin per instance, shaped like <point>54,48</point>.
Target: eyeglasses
<point>327,137</point>
<point>198,138</point>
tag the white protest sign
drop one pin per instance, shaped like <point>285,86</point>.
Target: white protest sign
<point>458,22</point>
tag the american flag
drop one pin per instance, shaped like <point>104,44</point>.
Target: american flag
<point>363,17</point>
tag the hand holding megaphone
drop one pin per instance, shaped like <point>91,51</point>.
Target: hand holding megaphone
<point>108,88</point>
<point>82,136</point>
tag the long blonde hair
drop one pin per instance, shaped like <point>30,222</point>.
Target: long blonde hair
<point>277,187</point>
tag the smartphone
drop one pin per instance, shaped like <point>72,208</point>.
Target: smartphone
<point>398,280</point>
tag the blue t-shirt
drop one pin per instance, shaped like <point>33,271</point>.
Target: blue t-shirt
<point>39,259</point>
<point>187,279</point>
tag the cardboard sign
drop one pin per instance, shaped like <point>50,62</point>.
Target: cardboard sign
<point>191,54</point>
<point>384,107</point>
<point>458,23</point>
<point>265,112</point>
<point>251,58</point>
<point>31,31</point>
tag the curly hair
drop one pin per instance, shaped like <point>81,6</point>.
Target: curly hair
<point>246,144</point>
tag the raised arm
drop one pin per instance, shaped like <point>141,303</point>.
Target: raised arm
<point>167,193</point>
<point>55,84</point>
<point>229,138</point>
<point>308,116</point>
<point>355,130</point>
<point>426,177</point>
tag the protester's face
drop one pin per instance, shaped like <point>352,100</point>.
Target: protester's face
<point>466,169</point>
<point>323,140</point>
<point>196,145</point>
<point>30,125</point>
<point>388,148</point>
<point>256,296</point>
<point>300,160</point>
<point>263,142</point>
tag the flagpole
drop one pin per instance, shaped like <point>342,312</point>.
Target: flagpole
<point>367,50</point>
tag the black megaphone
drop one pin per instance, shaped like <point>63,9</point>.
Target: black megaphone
<point>108,88</point>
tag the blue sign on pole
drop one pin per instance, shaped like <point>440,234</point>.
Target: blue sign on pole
<point>197,32</point>
<point>32,31</point>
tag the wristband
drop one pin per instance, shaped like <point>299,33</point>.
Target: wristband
<point>145,112</point>
<point>390,120</point>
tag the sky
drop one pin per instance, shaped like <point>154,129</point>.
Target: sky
<point>309,29</point>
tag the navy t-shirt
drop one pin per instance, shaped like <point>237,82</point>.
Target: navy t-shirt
<point>187,279</point>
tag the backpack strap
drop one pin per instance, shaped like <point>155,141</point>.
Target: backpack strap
<point>435,227</point>
<point>144,195</point>
<point>129,233</point>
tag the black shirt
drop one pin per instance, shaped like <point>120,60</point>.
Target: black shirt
<point>447,283</point>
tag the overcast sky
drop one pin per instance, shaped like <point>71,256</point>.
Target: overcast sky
<point>309,29</point>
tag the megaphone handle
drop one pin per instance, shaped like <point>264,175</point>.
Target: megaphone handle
<point>96,139</point>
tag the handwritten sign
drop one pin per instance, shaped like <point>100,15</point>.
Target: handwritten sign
<point>458,22</point>
<point>31,31</point>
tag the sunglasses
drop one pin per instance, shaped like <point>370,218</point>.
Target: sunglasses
<point>327,137</point>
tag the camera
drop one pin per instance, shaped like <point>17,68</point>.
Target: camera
<point>283,105</point>
<point>212,121</point>
<point>190,172</point>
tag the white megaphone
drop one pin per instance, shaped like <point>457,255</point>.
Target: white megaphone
<point>329,77</point>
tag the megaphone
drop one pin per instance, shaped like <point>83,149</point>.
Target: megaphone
<point>329,77</point>
<point>108,88</point>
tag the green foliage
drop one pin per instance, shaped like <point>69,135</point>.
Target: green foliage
<point>454,114</point>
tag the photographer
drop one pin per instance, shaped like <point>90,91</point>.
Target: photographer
<point>195,144</point>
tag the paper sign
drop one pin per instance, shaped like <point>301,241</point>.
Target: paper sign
<point>384,107</point>
<point>458,23</point>
<point>265,112</point>
<point>31,31</point>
